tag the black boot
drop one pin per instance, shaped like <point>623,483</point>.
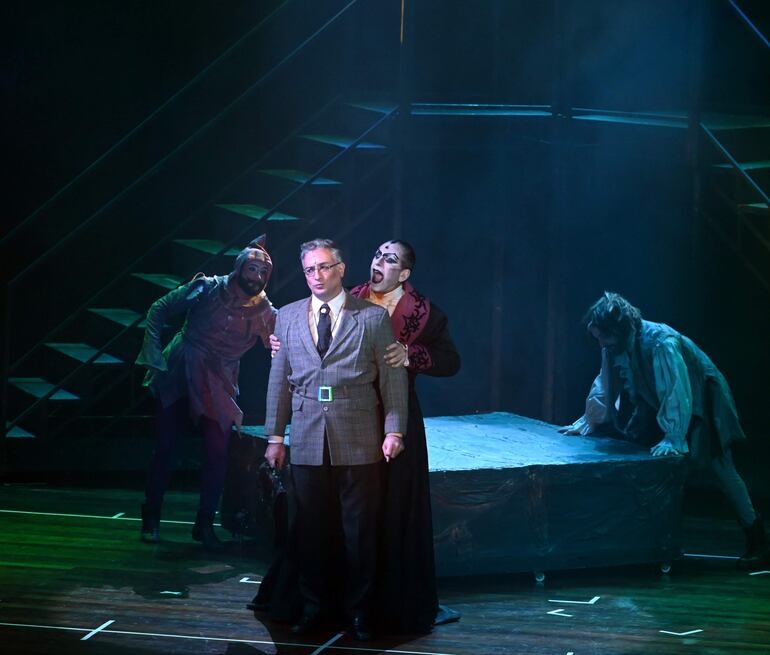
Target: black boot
<point>757,550</point>
<point>150,524</point>
<point>203,531</point>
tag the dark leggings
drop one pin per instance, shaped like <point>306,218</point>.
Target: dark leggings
<point>169,422</point>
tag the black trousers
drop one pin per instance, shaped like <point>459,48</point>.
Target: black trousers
<point>337,534</point>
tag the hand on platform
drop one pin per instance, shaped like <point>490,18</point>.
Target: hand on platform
<point>396,354</point>
<point>276,455</point>
<point>275,345</point>
<point>664,447</point>
<point>571,430</point>
<point>392,446</point>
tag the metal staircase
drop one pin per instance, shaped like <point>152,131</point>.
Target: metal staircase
<point>73,373</point>
<point>738,209</point>
<point>735,164</point>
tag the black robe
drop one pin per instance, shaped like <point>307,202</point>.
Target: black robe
<point>406,592</point>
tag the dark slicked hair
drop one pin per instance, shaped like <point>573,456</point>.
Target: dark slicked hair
<point>612,314</point>
<point>315,244</point>
<point>408,257</point>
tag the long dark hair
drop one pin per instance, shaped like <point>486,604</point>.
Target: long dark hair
<point>612,314</point>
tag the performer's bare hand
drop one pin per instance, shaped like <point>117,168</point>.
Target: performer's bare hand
<point>395,354</point>
<point>664,447</point>
<point>275,345</point>
<point>570,430</point>
<point>392,446</point>
<point>276,455</point>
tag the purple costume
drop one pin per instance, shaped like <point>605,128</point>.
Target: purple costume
<point>196,375</point>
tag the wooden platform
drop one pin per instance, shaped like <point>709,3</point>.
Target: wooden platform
<point>74,578</point>
<point>511,493</point>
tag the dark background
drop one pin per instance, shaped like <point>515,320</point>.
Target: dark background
<point>519,223</point>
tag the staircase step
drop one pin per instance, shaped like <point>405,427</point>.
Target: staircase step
<point>478,109</point>
<point>641,118</point>
<point>17,432</point>
<point>124,317</point>
<point>747,166</point>
<point>300,177</point>
<point>257,212</point>
<point>342,141</point>
<point>755,208</point>
<point>209,246</point>
<point>39,387</point>
<point>380,108</point>
<point>734,122</point>
<point>83,352</point>
<point>160,279</point>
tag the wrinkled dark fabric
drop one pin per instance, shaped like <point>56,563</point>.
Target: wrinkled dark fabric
<point>202,361</point>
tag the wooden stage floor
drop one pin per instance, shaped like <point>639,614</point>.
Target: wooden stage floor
<point>74,578</point>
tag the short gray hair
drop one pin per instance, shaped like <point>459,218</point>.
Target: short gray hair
<point>315,244</point>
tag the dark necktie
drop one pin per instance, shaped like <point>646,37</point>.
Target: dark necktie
<point>324,329</point>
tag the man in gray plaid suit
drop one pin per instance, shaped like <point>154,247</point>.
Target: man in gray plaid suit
<point>328,376</point>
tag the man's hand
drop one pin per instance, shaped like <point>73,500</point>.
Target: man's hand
<point>276,455</point>
<point>392,446</point>
<point>570,430</point>
<point>395,354</point>
<point>664,447</point>
<point>275,345</point>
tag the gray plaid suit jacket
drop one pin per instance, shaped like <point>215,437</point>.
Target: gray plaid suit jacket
<point>354,368</point>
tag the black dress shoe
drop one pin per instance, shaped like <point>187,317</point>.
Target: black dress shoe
<point>150,524</point>
<point>203,531</point>
<point>360,629</point>
<point>308,623</point>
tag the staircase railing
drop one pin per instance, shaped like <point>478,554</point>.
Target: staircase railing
<point>238,239</point>
<point>749,23</point>
<point>12,285</point>
<point>200,131</point>
<point>166,104</point>
<point>743,223</point>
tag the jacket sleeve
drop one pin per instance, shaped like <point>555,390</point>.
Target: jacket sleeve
<point>672,387</point>
<point>600,403</point>
<point>393,382</point>
<point>278,402</point>
<point>173,303</point>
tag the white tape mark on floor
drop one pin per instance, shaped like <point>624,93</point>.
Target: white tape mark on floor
<point>89,516</point>
<point>559,612</point>
<point>759,573</point>
<point>99,629</point>
<point>249,581</point>
<point>703,556</point>
<point>133,633</point>
<point>680,634</point>
<point>172,593</point>
<point>577,602</point>
<point>322,647</point>
<point>119,515</point>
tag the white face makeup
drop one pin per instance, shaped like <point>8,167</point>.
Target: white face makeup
<point>386,270</point>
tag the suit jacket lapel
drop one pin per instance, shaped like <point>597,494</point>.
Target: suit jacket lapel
<point>304,331</point>
<point>348,321</point>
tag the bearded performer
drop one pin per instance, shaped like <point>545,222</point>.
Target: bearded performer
<point>408,600</point>
<point>196,376</point>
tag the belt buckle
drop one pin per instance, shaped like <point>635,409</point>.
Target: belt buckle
<point>325,394</point>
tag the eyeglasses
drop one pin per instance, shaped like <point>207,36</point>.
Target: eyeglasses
<point>321,268</point>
